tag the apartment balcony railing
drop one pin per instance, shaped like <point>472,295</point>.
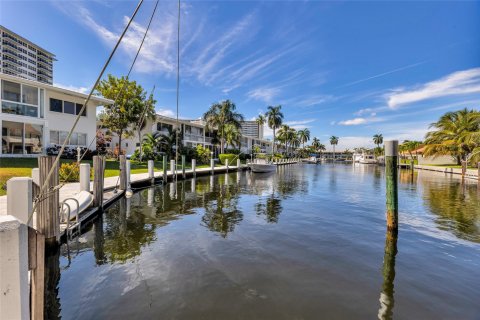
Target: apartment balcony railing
<point>191,137</point>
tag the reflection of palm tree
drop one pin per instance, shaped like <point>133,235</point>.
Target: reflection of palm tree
<point>387,300</point>
<point>271,209</point>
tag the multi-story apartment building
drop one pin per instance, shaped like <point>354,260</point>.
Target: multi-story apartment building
<point>252,129</point>
<point>23,58</point>
<point>35,115</point>
<point>194,133</point>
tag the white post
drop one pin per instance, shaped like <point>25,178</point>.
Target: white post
<point>194,166</point>
<point>19,198</point>
<point>85,177</point>
<point>150,169</point>
<point>79,154</point>
<point>36,176</point>
<point>212,165</point>
<point>150,195</point>
<point>192,187</point>
<point>14,289</point>
<point>128,192</point>
<point>226,164</point>
<point>172,166</point>
<point>238,164</point>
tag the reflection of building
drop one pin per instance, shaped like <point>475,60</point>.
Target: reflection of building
<point>34,115</point>
<point>194,133</point>
<point>22,58</point>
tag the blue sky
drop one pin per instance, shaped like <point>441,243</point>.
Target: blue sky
<point>350,69</point>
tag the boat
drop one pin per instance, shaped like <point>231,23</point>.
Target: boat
<point>368,159</point>
<point>262,166</point>
<point>311,160</point>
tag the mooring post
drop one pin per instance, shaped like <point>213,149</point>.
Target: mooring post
<point>151,175</point>
<point>48,218</point>
<point>226,164</point>
<point>164,168</point>
<point>98,177</point>
<point>14,297</point>
<point>391,176</point>
<point>212,165</point>
<point>412,165</point>
<point>123,172</point>
<point>85,177</point>
<point>194,167</point>
<point>172,168</point>
<point>238,164</point>
<point>79,154</point>
<point>19,198</point>
<point>128,190</point>
<point>183,166</point>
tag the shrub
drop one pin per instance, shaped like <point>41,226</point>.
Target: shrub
<point>230,156</point>
<point>202,154</point>
<point>69,172</point>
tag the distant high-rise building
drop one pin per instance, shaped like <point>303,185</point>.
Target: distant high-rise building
<point>23,58</point>
<point>252,129</point>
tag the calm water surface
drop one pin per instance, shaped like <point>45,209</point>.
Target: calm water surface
<point>307,242</point>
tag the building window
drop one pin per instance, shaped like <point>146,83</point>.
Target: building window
<point>21,138</point>
<point>68,107</point>
<point>11,91</point>
<point>78,108</point>
<point>76,139</point>
<point>29,95</point>
<point>56,105</point>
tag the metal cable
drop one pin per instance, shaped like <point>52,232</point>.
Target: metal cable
<point>57,159</point>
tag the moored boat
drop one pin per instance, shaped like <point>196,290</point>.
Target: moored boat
<point>262,166</point>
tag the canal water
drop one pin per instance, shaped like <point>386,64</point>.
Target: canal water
<point>306,242</point>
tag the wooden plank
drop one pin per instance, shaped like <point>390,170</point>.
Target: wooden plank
<point>48,219</point>
<point>32,248</point>
<point>38,280</point>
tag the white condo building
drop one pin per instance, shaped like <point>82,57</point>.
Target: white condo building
<point>22,58</point>
<point>35,115</point>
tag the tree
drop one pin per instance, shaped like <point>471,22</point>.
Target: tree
<point>102,140</point>
<point>457,134</point>
<point>233,136</point>
<point>274,117</point>
<point>304,136</point>
<point>220,115</point>
<point>410,146</point>
<point>260,121</point>
<point>282,135</point>
<point>129,102</point>
<point>168,141</point>
<point>333,142</point>
<point>378,139</point>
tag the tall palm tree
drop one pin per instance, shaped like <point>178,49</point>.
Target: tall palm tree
<point>274,117</point>
<point>410,146</point>
<point>151,140</point>
<point>304,136</point>
<point>292,138</point>
<point>232,135</point>
<point>378,139</point>
<point>168,140</point>
<point>457,134</point>
<point>283,135</point>
<point>219,115</point>
<point>333,142</point>
<point>260,121</point>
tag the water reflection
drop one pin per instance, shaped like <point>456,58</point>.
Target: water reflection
<point>387,300</point>
<point>52,279</point>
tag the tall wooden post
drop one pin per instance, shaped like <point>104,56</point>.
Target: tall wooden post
<point>238,164</point>
<point>194,167</point>
<point>391,176</point>
<point>464,168</point>
<point>123,172</point>
<point>98,178</point>
<point>164,168</point>
<point>183,166</point>
<point>48,219</point>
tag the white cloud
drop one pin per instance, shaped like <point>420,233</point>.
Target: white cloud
<point>299,124</point>
<point>73,88</point>
<point>457,83</point>
<point>264,94</point>
<point>166,112</point>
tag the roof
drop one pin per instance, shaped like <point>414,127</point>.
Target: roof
<point>26,40</point>
<point>96,99</point>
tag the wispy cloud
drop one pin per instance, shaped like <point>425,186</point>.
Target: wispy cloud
<point>166,112</point>
<point>72,88</point>
<point>264,94</point>
<point>457,83</point>
<point>359,121</point>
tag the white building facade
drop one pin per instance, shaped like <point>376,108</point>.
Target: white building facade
<point>23,58</point>
<point>35,115</point>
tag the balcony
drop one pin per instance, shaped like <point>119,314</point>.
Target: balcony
<point>193,138</point>
<point>19,109</point>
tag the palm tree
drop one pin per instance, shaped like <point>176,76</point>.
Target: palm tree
<point>304,136</point>
<point>232,136</point>
<point>260,121</point>
<point>168,140</point>
<point>410,146</point>
<point>150,140</point>
<point>378,139</point>
<point>457,134</point>
<point>283,135</point>
<point>221,114</point>
<point>274,119</point>
<point>333,142</point>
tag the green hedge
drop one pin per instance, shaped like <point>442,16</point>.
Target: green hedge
<point>231,158</point>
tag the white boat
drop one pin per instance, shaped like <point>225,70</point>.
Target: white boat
<point>311,160</point>
<point>367,159</point>
<point>262,166</point>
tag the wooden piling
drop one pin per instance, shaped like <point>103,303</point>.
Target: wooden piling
<point>212,166</point>
<point>172,168</point>
<point>48,218</point>
<point>183,166</point>
<point>36,263</point>
<point>194,167</point>
<point>151,174</point>
<point>164,168</point>
<point>226,164</point>
<point>412,165</point>
<point>98,180</point>
<point>238,164</point>
<point>388,272</point>
<point>123,172</point>
<point>391,176</point>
